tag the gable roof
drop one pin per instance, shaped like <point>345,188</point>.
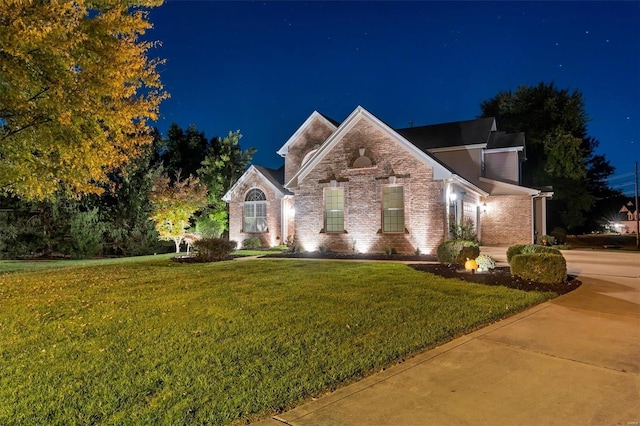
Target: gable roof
<point>457,133</point>
<point>273,177</point>
<point>315,115</point>
<point>440,170</point>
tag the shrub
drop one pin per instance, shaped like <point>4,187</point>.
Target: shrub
<point>292,243</point>
<point>389,251</point>
<point>213,249</point>
<point>449,251</point>
<point>485,262</point>
<point>465,231</point>
<point>466,253</point>
<point>252,243</point>
<point>546,240</point>
<point>560,234</point>
<point>529,249</point>
<point>543,267</point>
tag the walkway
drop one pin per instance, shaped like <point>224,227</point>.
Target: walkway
<point>572,360</point>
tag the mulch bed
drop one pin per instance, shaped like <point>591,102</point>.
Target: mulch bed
<point>499,276</point>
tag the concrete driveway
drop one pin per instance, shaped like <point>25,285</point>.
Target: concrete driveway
<point>574,360</point>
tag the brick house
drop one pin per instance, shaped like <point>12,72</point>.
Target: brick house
<point>362,186</point>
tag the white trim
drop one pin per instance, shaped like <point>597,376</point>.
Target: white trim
<point>468,185</point>
<point>245,177</point>
<point>284,150</point>
<point>516,188</point>
<point>459,148</point>
<point>439,171</point>
<point>509,149</point>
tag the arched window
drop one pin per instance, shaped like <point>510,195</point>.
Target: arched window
<point>308,156</point>
<point>255,211</point>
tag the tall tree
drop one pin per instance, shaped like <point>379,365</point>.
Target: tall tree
<point>183,151</point>
<point>173,205</point>
<point>223,165</point>
<point>77,91</point>
<point>559,151</point>
<point>126,205</point>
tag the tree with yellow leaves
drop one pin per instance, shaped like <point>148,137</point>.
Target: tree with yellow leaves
<point>76,92</point>
<point>173,205</point>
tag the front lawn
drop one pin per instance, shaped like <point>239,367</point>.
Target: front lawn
<point>150,341</point>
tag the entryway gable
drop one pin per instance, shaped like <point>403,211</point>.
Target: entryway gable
<point>254,174</point>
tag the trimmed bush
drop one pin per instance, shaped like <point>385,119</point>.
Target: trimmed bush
<point>213,249</point>
<point>543,267</point>
<point>466,253</point>
<point>529,249</point>
<point>457,251</point>
<point>252,243</point>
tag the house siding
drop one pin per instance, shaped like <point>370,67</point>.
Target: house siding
<point>502,166</point>
<point>273,236</point>
<point>423,202</point>
<point>508,220</point>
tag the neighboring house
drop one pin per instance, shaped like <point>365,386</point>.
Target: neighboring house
<point>629,223</point>
<point>362,186</point>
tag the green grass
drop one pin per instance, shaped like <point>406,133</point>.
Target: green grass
<point>150,341</point>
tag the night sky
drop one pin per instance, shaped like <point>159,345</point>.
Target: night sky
<point>264,67</point>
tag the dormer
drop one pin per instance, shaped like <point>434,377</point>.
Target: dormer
<point>502,158</point>
<point>305,142</point>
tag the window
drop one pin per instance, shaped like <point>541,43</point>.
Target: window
<point>255,211</point>
<point>393,209</point>
<point>334,210</point>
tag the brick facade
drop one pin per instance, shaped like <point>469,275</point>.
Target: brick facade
<point>508,220</point>
<point>273,236</point>
<point>423,201</point>
<point>311,139</point>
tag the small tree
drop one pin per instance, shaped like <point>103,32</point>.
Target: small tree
<point>173,205</point>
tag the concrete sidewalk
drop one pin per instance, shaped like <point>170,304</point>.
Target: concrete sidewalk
<point>572,360</point>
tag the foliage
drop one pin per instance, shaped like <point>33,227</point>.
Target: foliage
<point>221,167</point>
<point>463,231</point>
<point>546,240</point>
<point>560,234</point>
<point>529,249</point>
<point>183,151</point>
<point>126,207</point>
<point>77,91</point>
<point>389,250</point>
<point>86,231</point>
<point>216,343</point>
<point>543,267</point>
<point>485,262</point>
<point>252,243</point>
<point>449,251</point>
<point>213,249</point>
<point>173,205</point>
<point>559,151</point>
<point>293,244</point>
<point>466,253</point>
